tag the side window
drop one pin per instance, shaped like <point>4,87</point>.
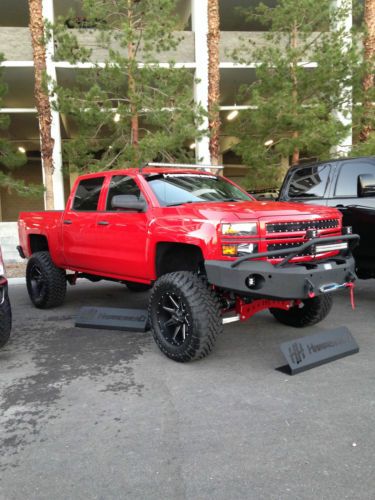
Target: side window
<point>121,184</point>
<point>309,182</point>
<point>348,176</point>
<point>87,194</point>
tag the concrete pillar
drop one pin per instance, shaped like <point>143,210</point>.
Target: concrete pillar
<point>345,116</point>
<point>58,180</point>
<point>199,17</point>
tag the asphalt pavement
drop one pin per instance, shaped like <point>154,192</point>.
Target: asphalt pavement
<point>94,414</point>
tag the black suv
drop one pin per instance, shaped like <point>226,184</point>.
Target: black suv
<point>5,310</point>
<point>349,185</point>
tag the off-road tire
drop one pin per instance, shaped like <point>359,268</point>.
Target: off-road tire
<point>46,283</point>
<point>308,313</point>
<point>203,321</point>
<point>137,287</point>
<point>5,321</point>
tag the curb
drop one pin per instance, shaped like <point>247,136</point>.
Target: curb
<point>16,281</point>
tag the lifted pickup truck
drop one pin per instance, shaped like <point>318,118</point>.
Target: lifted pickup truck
<point>210,252</point>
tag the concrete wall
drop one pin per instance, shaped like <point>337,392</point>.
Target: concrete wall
<point>9,241</point>
<point>183,53</point>
<point>15,44</point>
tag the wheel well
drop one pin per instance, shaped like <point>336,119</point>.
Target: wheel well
<point>38,243</point>
<point>171,257</point>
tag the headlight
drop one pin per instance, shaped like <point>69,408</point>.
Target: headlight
<point>240,229</point>
<point>237,250</point>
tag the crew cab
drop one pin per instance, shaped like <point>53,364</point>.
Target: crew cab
<point>5,309</point>
<point>347,184</point>
<point>210,252</point>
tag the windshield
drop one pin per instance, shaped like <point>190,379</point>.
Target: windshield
<point>177,189</point>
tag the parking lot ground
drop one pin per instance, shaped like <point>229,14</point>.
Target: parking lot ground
<point>94,414</point>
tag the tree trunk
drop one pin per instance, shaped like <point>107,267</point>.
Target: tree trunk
<point>41,97</point>
<point>293,69</point>
<point>132,89</point>
<point>368,81</point>
<point>213,40</point>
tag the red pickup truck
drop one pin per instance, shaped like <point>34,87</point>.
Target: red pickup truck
<point>210,252</point>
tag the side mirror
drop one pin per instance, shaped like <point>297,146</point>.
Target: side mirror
<point>128,202</point>
<point>366,185</point>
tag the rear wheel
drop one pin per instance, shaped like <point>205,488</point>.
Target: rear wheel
<point>309,312</point>
<point>46,283</point>
<point>5,321</point>
<point>185,316</point>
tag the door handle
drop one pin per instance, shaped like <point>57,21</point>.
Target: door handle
<point>67,222</point>
<point>103,223</point>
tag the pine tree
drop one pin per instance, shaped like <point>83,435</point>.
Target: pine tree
<point>130,111</point>
<point>10,157</point>
<point>292,117</point>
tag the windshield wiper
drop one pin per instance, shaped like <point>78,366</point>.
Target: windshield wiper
<point>180,203</point>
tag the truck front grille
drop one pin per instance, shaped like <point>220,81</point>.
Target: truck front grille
<point>293,227</point>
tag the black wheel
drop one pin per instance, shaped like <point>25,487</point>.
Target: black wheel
<point>5,321</point>
<point>308,313</point>
<point>45,282</point>
<point>185,316</point>
<point>137,287</point>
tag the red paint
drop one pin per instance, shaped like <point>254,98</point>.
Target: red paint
<point>125,248</point>
<point>246,311</point>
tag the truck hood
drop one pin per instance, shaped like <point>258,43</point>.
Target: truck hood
<point>260,209</point>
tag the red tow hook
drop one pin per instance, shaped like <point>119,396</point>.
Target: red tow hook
<point>309,287</point>
<point>351,286</point>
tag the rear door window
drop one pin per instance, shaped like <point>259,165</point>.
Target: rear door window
<point>309,182</point>
<point>347,181</point>
<point>87,194</point>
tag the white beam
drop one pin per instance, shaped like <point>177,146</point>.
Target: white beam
<point>58,180</point>
<point>17,64</point>
<point>18,110</point>
<point>199,18</point>
<point>345,115</point>
<point>89,65</point>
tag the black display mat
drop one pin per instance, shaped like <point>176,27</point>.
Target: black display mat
<point>113,318</point>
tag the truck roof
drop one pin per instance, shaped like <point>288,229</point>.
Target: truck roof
<point>334,160</point>
<point>148,171</point>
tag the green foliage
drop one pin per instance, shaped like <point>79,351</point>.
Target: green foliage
<point>296,105</point>
<point>10,157</point>
<point>102,101</point>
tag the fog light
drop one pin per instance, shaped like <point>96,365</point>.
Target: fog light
<point>230,250</point>
<point>254,281</point>
<point>347,230</point>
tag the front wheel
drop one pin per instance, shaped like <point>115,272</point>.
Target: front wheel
<point>185,316</point>
<point>46,283</point>
<point>309,312</point>
<point>5,321</point>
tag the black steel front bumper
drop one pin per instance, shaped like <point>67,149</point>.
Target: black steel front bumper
<point>285,280</point>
